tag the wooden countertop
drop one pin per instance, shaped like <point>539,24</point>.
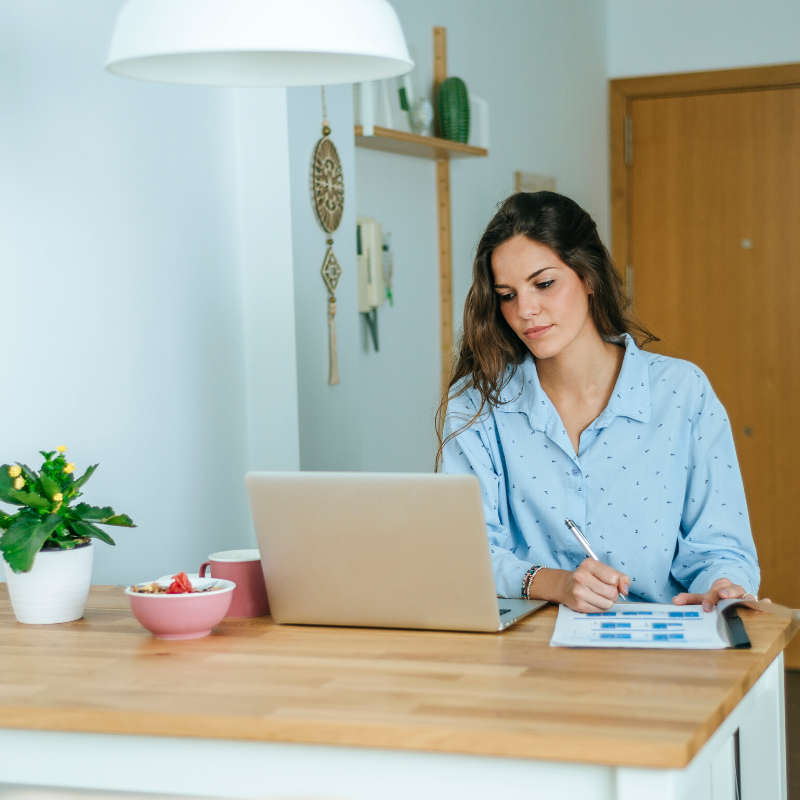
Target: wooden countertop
<point>508,694</point>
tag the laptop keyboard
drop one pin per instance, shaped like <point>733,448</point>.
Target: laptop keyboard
<point>505,611</point>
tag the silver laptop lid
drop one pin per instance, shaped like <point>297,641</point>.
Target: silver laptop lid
<point>372,549</point>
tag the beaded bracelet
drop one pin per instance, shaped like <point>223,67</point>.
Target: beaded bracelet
<point>527,579</point>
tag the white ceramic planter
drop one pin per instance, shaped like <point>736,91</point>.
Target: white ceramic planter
<point>55,590</point>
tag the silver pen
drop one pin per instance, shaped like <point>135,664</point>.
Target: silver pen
<point>582,541</point>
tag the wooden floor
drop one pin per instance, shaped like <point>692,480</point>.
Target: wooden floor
<point>793,732</point>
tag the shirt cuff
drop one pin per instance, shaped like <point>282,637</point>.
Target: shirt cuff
<point>509,581</point>
<point>702,583</point>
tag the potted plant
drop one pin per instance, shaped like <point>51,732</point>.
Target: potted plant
<point>47,543</point>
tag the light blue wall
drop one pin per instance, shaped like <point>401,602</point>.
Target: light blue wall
<point>162,302</point>
<point>400,383</point>
<point>124,331</point>
<point>541,67</point>
<point>330,416</point>
<point>648,37</point>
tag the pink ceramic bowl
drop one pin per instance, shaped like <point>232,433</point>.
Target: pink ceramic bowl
<point>183,616</point>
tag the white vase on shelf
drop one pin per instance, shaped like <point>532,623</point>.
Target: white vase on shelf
<point>56,588</point>
<point>420,117</point>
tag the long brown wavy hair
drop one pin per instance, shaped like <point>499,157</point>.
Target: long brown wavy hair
<point>488,346</point>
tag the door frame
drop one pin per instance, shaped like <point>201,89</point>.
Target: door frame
<point>623,90</point>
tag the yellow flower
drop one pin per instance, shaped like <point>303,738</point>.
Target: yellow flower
<point>14,472</point>
<point>62,448</point>
<point>58,497</point>
<point>19,483</point>
<point>69,469</point>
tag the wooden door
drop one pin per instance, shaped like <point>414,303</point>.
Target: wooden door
<point>713,240</point>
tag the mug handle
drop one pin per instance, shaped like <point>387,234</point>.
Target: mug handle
<point>203,568</point>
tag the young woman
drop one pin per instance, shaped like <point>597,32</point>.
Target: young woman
<point>559,414</point>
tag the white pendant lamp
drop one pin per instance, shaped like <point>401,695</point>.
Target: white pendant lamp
<point>258,42</point>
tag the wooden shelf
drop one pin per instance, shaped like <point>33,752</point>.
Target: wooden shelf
<point>411,144</point>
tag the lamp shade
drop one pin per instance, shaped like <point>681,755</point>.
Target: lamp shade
<point>258,42</point>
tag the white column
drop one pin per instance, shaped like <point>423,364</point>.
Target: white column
<point>265,240</point>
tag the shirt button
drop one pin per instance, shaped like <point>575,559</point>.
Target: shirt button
<point>575,470</point>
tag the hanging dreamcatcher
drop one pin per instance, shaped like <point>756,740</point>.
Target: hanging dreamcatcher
<point>328,186</point>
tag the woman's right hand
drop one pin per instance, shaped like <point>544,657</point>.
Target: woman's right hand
<point>591,588</point>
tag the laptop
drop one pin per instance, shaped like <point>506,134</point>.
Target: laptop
<point>378,550</point>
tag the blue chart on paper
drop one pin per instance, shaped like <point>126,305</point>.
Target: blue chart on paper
<point>640,625</point>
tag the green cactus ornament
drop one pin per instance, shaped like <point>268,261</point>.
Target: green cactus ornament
<point>453,102</point>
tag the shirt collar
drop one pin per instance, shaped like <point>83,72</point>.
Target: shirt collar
<point>631,395</point>
<point>630,398</point>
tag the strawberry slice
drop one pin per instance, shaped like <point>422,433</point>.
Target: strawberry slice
<point>180,584</point>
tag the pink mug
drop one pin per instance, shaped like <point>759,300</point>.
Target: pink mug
<point>243,567</point>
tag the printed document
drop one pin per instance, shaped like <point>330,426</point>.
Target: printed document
<point>643,625</point>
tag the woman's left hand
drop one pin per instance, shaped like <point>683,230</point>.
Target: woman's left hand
<point>721,589</point>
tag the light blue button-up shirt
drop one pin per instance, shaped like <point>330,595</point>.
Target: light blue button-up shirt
<point>655,486</point>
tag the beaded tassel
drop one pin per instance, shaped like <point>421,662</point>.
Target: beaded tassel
<point>333,374</point>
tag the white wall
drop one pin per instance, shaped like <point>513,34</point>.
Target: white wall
<point>330,416</point>
<point>541,67</point>
<point>400,383</point>
<point>648,37</point>
<point>152,319</point>
<point>122,291</point>
<point>379,416</point>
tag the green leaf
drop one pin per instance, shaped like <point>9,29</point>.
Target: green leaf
<point>23,540</point>
<point>64,538</point>
<point>85,477</point>
<point>51,488</point>
<point>7,489</point>
<point>48,456</point>
<point>6,521</point>
<point>67,544</point>
<point>31,499</point>
<point>87,529</point>
<point>123,520</point>
<point>91,513</point>
<point>68,484</point>
<point>30,474</point>
<point>61,532</point>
